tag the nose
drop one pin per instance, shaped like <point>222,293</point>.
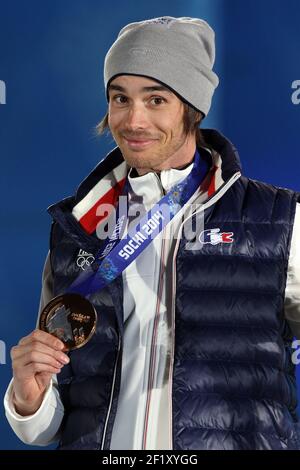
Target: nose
<point>136,117</point>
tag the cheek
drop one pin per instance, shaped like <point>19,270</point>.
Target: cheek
<point>111,120</point>
<point>163,127</point>
<point>170,125</point>
<point>114,118</point>
<point>170,131</point>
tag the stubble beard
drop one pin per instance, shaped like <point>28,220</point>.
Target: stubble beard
<point>150,159</point>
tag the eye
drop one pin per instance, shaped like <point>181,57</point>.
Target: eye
<point>159,98</point>
<point>115,98</point>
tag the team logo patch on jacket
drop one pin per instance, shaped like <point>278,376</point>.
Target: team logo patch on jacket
<point>214,236</point>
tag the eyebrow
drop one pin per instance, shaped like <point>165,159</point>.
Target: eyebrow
<point>145,88</point>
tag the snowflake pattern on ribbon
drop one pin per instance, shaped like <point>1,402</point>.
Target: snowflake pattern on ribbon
<point>108,270</point>
<point>175,198</point>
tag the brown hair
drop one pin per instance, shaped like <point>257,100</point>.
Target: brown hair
<point>191,122</point>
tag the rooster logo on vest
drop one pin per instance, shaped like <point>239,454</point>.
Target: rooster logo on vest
<point>214,236</point>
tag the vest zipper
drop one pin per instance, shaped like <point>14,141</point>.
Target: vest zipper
<point>111,394</point>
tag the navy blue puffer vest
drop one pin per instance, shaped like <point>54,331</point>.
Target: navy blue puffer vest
<point>233,383</point>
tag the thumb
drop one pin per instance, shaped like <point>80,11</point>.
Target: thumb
<point>43,379</point>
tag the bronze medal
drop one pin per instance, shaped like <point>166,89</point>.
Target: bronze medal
<point>71,318</point>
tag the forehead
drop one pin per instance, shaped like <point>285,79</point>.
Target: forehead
<point>131,83</point>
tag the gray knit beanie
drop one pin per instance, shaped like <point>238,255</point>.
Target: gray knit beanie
<point>179,52</point>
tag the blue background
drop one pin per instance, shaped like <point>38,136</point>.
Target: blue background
<point>51,59</point>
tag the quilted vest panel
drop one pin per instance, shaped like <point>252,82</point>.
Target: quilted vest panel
<point>234,381</point>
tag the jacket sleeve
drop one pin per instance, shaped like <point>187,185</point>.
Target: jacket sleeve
<point>292,292</point>
<point>41,428</point>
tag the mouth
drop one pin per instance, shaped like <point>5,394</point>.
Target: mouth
<point>138,143</point>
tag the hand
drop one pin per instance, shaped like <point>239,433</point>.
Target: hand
<point>34,360</point>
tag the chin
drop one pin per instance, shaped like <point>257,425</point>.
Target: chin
<point>139,162</point>
<point>135,155</point>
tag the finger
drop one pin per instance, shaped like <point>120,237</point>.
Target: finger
<point>43,337</point>
<point>19,351</point>
<point>34,368</point>
<point>35,357</point>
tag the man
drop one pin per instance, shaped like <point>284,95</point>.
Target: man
<point>192,349</point>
